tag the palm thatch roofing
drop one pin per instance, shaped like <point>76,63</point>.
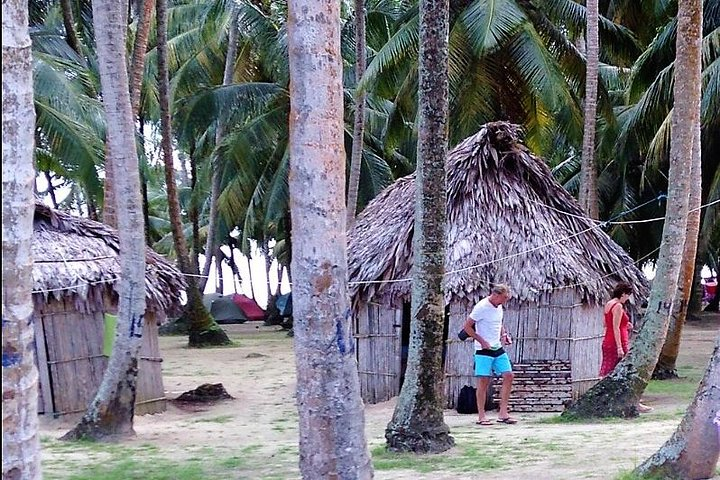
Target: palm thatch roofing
<point>77,258</point>
<point>508,221</point>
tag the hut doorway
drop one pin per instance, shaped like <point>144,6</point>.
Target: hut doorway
<point>405,337</point>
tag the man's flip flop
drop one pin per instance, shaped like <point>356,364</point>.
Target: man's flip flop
<point>508,420</point>
<point>483,422</point>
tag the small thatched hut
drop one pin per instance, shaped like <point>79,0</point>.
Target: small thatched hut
<point>508,221</point>
<point>75,272</point>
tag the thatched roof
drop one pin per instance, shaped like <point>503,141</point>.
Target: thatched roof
<point>508,221</point>
<point>77,258</point>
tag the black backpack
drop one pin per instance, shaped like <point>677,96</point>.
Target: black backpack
<point>467,400</point>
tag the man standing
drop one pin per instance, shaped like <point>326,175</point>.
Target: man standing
<point>485,325</point>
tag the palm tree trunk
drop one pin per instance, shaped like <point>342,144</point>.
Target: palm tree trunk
<point>250,276</point>
<point>69,24</point>
<point>666,366</point>
<point>20,439</point>
<point>692,451</point>
<point>217,161</point>
<point>137,63</point>
<point>143,184</point>
<point>110,414</point>
<point>588,174</point>
<point>619,393</point>
<point>332,421</point>
<point>137,69</point>
<point>219,256</point>
<point>203,329</point>
<point>194,214</point>
<point>359,125</point>
<point>417,424</point>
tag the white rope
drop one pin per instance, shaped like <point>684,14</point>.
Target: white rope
<point>399,280</point>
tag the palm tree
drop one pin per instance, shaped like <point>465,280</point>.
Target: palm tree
<point>618,393</point>
<point>70,123</point>
<point>666,364</point>
<point>203,329</point>
<point>332,434</point>
<point>21,442</point>
<point>211,246</point>
<point>110,414</point>
<point>636,148</point>
<point>359,123</point>
<point>508,60</point>
<point>588,186</point>
<point>417,424</point>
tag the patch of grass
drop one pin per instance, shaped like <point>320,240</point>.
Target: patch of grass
<point>557,419</point>
<point>630,475</point>
<point>539,445</point>
<point>469,459</point>
<point>139,469</point>
<point>234,463</point>
<point>219,419</point>
<point>250,449</point>
<point>682,388</point>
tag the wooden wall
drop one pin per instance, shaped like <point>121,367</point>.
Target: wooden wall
<point>71,364</point>
<point>459,356</point>
<point>587,333</point>
<point>543,352</point>
<point>555,350</point>
<point>150,391</point>
<point>378,331</point>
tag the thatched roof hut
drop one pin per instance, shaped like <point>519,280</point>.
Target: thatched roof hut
<point>77,257</point>
<point>75,277</point>
<point>508,221</point>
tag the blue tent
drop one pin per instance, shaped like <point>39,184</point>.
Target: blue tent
<point>284,304</point>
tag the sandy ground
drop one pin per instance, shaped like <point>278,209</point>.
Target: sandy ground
<point>258,429</point>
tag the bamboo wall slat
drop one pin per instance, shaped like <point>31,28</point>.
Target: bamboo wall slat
<point>71,364</point>
<point>587,348</point>
<point>378,337</point>
<point>459,360</point>
<point>150,396</point>
<point>45,402</point>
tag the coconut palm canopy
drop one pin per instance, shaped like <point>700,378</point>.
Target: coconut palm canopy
<point>78,257</point>
<point>508,221</point>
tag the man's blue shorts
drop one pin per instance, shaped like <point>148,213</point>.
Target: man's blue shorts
<point>489,361</point>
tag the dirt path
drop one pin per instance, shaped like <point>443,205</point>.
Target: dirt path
<point>255,435</point>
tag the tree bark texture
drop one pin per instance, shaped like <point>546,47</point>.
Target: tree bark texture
<point>217,161</point>
<point>666,366</point>
<point>69,24</point>
<point>137,63</point>
<point>20,440</point>
<point>359,124</point>
<point>618,393</point>
<point>417,424</point>
<point>332,420</point>
<point>588,172</point>
<point>692,451</point>
<point>110,414</point>
<point>203,329</point>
